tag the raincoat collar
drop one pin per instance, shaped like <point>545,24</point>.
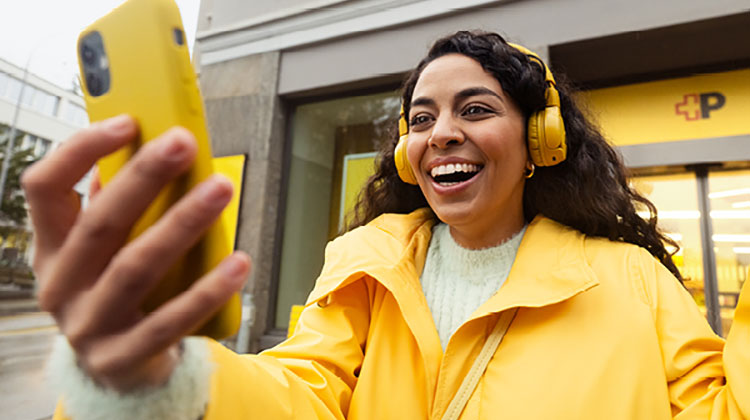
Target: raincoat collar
<point>550,265</point>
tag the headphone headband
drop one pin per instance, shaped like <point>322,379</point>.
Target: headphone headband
<point>551,95</point>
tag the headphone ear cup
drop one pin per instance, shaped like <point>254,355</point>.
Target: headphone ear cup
<point>545,136</point>
<point>554,147</point>
<point>402,162</point>
<point>532,139</point>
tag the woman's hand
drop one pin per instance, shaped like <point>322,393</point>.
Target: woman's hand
<point>93,282</point>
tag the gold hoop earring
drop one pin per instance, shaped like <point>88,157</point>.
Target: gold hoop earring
<point>529,172</point>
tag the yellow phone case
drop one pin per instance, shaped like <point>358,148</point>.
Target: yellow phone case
<point>151,78</point>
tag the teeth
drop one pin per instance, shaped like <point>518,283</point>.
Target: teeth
<point>453,168</point>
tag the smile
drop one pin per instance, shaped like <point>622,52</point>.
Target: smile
<point>454,173</point>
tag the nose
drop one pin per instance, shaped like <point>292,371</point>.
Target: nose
<point>445,132</point>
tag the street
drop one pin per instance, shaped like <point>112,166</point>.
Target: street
<point>25,343</point>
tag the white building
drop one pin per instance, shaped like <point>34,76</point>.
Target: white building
<point>48,114</point>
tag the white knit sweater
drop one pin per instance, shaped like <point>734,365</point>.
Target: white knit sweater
<point>456,280</point>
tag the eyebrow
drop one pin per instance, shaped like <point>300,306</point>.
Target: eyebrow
<point>476,91</point>
<point>466,93</point>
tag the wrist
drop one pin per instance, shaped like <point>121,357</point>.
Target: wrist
<point>154,373</point>
<point>182,395</point>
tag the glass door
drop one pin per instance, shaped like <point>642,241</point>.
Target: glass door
<point>676,199</point>
<point>729,195</point>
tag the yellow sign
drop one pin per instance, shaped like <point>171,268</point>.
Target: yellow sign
<point>232,167</point>
<point>697,107</point>
<point>357,169</point>
<point>294,314</point>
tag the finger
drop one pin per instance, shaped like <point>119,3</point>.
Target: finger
<point>180,316</point>
<point>70,162</point>
<point>103,227</point>
<point>96,183</point>
<point>48,184</point>
<point>138,267</point>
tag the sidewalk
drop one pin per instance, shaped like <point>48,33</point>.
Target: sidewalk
<point>14,301</point>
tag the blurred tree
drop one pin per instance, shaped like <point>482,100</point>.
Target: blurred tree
<point>14,269</point>
<point>13,207</point>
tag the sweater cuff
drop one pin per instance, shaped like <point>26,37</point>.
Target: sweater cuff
<point>183,397</point>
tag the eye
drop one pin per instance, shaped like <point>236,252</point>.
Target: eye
<point>418,120</point>
<point>476,110</point>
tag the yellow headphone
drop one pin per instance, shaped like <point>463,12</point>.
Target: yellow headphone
<point>545,134</point>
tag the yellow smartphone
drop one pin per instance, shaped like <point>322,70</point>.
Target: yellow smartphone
<point>135,60</point>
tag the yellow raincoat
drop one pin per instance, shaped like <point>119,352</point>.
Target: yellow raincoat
<point>604,331</point>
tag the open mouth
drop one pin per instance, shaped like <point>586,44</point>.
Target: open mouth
<point>454,173</point>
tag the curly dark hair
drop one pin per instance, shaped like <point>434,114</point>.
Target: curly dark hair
<point>589,191</point>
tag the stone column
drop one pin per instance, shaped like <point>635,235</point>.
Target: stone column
<point>245,116</point>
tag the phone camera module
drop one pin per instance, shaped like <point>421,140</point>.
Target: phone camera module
<point>94,63</point>
<point>179,37</point>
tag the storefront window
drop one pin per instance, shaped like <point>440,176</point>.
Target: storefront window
<point>676,199</point>
<point>332,154</point>
<point>729,194</point>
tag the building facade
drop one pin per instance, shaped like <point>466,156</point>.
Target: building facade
<point>307,89</point>
<point>43,115</point>
<point>47,113</point>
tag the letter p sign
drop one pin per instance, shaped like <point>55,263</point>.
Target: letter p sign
<point>711,102</point>
<point>699,106</point>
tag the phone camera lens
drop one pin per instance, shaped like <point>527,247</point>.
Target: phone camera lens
<point>94,84</point>
<point>88,54</point>
<point>179,37</point>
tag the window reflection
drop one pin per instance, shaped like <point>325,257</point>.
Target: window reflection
<point>729,194</point>
<point>326,136</point>
<point>676,199</point>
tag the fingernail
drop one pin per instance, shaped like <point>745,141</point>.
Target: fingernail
<point>118,123</point>
<point>173,149</point>
<point>233,266</point>
<point>214,190</point>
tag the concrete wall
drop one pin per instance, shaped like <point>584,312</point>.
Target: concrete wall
<point>533,23</point>
<point>233,12</point>
<point>245,117</point>
<point>364,39</point>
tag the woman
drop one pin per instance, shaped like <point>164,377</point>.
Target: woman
<point>547,271</point>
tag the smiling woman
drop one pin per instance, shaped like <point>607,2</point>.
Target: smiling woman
<point>498,265</point>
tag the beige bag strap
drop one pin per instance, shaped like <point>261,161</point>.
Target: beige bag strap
<point>480,365</point>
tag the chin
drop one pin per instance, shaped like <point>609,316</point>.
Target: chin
<point>455,214</point>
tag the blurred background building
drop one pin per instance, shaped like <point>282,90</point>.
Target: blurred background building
<point>306,89</point>
<point>43,114</point>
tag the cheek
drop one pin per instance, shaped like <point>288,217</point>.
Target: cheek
<point>516,145</point>
<point>414,152</point>
<point>522,149</point>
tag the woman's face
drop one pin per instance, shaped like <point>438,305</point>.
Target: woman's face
<point>467,148</point>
